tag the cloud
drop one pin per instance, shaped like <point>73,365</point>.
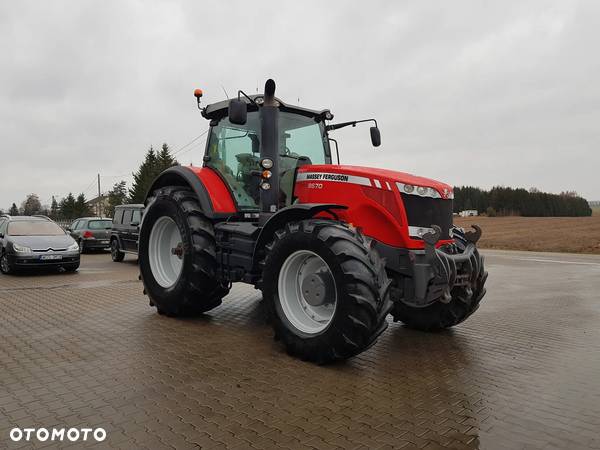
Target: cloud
<point>472,93</point>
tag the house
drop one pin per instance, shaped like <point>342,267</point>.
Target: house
<point>98,205</point>
<point>468,213</point>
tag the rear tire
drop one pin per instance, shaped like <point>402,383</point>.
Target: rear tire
<point>438,315</point>
<point>360,285</point>
<point>115,251</point>
<point>188,286</point>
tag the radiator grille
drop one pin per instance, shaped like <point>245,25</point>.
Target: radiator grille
<point>425,211</point>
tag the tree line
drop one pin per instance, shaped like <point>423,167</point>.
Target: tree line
<point>506,201</point>
<point>72,206</point>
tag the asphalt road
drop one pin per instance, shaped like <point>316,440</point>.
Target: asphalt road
<point>86,350</point>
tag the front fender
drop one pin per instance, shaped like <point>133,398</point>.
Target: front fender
<point>293,213</point>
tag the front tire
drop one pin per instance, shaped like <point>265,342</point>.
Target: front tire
<point>5,266</point>
<point>439,315</point>
<point>177,255</point>
<point>325,289</point>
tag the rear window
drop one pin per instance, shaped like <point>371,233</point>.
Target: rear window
<point>99,224</point>
<point>34,228</point>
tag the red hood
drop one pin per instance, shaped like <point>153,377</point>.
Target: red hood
<point>382,176</point>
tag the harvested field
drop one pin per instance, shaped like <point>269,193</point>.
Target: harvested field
<point>542,234</point>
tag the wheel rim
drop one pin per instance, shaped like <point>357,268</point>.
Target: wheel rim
<point>165,252</point>
<point>307,292</point>
<point>113,250</point>
<point>4,263</point>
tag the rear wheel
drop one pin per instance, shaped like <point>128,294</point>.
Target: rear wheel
<point>115,251</point>
<point>177,255</point>
<point>440,315</point>
<point>325,289</point>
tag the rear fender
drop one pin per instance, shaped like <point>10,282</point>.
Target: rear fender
<point>214,197</point>
<point>293,213</point>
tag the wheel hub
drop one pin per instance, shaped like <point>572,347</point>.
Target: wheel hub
<point>307,292</point>
<point>165,252</point>
<point>317,288</point>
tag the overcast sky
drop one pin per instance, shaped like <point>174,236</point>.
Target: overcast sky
<point>478,93</point>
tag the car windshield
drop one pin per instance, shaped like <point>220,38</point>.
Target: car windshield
<point>34,228</point>
<point>99,224</point>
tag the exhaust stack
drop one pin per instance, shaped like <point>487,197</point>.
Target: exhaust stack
<point>269,149</point>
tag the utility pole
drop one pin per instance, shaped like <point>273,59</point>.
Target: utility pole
<point>99,199</point>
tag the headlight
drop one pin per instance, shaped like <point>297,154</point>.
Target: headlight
<point>73,247</point>
<point>421,191</point>
<point>267,163</point>
<point>21,249</point>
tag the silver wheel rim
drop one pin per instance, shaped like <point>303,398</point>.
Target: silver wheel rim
<point>165,252</point>
<point>4,263</point>
<point>307,292</point>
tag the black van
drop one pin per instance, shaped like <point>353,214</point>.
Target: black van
<point>125,231</point>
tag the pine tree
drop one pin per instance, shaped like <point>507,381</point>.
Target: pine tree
<point>81,207</point>
<point>14,211</point>
<point>54,209</point>
<point>154,163</point>
<point>116,196</point>
<point>67,207</point>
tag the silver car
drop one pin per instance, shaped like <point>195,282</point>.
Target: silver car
<point>91,233</point>
<point>34,242</point>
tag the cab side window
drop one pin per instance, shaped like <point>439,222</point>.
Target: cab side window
<point>126,217</point>
<point>137,216</point>
<point>118,218</point>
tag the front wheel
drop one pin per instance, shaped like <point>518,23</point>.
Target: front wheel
<point>115,251</point>
<point>440,315</point>
<point>5,266</point>
<point>177,255</point>
<point>325,290</point>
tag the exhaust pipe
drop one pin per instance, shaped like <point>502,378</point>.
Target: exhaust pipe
<point>269,149</point>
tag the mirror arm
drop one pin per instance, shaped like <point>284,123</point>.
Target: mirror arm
<point>337,126</point>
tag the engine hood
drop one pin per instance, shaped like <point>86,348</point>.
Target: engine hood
<point>369,176</point>
<point>44,242</point>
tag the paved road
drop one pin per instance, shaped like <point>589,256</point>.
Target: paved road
<point>86,350</point>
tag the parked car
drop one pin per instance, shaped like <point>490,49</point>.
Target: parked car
<point>125,231</point>
<point>35,241</point>
<point>91,233</point>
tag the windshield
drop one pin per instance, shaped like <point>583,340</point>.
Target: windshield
<point>99,224</point>
<point>34,228</point>
<point>234,151</point>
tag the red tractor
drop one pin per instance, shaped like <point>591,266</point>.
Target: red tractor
<point>334,248</point>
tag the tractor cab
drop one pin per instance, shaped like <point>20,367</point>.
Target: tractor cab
<point>233,150</point>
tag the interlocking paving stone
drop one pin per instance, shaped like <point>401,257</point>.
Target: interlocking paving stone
<point>86,350</point>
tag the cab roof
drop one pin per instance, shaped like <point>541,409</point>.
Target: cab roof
<point>219,110</point>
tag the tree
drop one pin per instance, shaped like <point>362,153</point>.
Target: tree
<point>54,209</point>
<point>67,207</point>
<point>116,196</point>
<point>81,207</point>
<point>154,163</point>
<point>14,211</point>
<point>31,205</point>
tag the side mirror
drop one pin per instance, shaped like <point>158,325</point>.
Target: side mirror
<point>375,137</point>
<point>238,113</point>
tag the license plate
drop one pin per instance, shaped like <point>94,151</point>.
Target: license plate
<point>50,257</point>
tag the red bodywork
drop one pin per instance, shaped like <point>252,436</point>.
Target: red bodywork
<point>372,196</point>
